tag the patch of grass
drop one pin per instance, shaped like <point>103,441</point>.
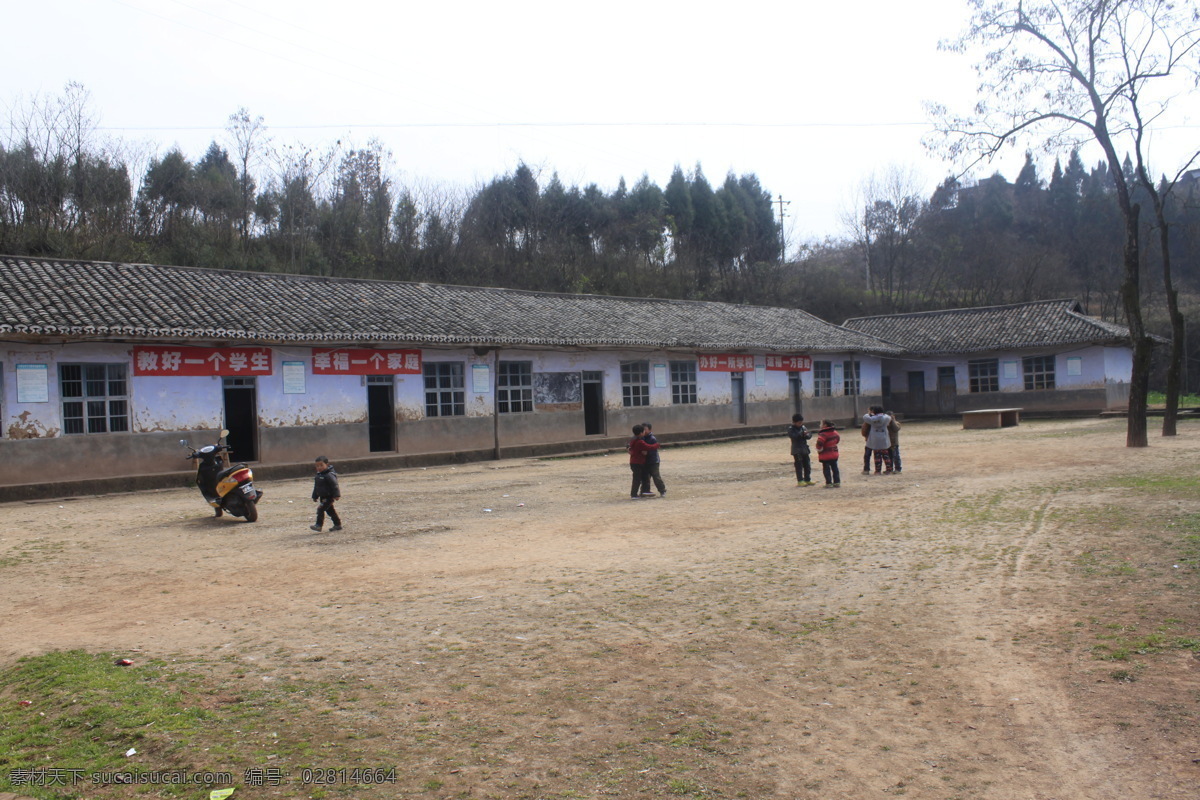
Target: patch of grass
<point>79,711</point>
<point>1185,400</point>
<point>1160,483</point>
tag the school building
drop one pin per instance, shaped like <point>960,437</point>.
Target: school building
<point>1042,357</point>
<point>106,366</point>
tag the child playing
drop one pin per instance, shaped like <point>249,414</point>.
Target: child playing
<point>638,447</point>
<point>653,460</point>
<point>827,453</point>
<point>878,440</point>
<point>800,450</point>
<point>894,434</point>
<point>326,492</point>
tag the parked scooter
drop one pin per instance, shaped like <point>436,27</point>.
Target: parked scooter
<point>225,487</point>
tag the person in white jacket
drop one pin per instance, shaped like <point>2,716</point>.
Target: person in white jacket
<point>878,440</point>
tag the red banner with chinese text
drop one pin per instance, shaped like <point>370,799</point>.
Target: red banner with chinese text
<point>780,363</point>
<point>357,361</point>
<point>726,363</point>
<point>202,361</point>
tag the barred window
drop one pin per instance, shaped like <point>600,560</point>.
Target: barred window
<point>850,378</point>
<point>95,398</point>
<point>514,387</point>
<point>984,375</point>
<point>822,378</point>
<point>635,383</point>
<point>1039,372</point>
<point>683,382</point>
<point>445,389</point>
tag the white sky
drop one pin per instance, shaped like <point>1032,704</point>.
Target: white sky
<point>812,96</point>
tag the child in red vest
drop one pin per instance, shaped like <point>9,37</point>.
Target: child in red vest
<point>827,452</point>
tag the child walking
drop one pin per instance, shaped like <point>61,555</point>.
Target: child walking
<point>827,453</point>
<point>326,492</point>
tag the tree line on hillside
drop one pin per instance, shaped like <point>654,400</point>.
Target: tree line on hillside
<point>341,211</point>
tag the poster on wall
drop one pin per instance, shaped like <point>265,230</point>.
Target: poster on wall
<point>363,361</point>
<point>1011,369</point>
<point>481,379</point>
<point>33,383</point>
<point>726,363</point>
<point>760,375</point>
<point>202,361</point>
<point>660,376</point>
<point>782,363</point>
<point>1074,366</point>
<point>293,377</point>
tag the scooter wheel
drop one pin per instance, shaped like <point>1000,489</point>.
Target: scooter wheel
<point>218,513</point>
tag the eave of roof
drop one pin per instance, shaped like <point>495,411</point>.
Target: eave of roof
<point>1018,326</point>
<point>44,298</point>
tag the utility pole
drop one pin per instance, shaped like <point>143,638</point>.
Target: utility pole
<point>782,241</point>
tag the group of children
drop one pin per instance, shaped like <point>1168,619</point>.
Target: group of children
<point>879,428</point>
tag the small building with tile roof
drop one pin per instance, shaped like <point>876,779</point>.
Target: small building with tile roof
<point>107,365</point>
<point>1045,356</point>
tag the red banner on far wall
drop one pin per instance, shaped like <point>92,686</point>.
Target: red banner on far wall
<point>202,361</point>
<point>356,361</point>
<point>726,363</point>
<point>780,363</point>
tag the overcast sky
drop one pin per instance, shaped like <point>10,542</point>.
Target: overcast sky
<point>812,97</point>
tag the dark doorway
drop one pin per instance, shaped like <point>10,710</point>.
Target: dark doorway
<point>947,390</point>
<point>241,418</point>
<point>381,415</point>
<point>737,387</point>
<point>916,393</point>
<point>794,392</point>
<point>885,389</point>
<point>593,403</point>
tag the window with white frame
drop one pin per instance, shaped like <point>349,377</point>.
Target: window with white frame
<point>822,378</point>
<point>850,378</point>
<point>1039,372</point>
<point>983,375</point>
<point>445,389</point>
<point>635,383</point>
<point>683,382</point>
<point>514,387</point>
<point>95,398</point>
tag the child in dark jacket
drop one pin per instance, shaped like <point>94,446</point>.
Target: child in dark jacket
<point>653,460</point>
<point>800,450</point>
<point>326,492</point>
<point>827,452</point>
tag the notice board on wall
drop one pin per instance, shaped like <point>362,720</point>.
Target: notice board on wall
<point>559,390</point>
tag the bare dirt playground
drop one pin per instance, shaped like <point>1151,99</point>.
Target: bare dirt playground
<point>1015,616</point>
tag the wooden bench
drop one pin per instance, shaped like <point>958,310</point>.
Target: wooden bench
<point>991,418</point>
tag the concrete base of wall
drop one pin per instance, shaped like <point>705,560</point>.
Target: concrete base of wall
<point>266,472</point>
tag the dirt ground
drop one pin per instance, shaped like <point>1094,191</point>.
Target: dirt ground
<point>1015,616</point>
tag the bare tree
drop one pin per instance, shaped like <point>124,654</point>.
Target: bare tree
<point>1062,72</point>
<point>883,225</point>
<point>249,141</point>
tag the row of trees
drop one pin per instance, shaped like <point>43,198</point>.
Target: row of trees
<point>340,210</point>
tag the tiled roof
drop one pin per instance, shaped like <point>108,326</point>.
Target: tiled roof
<point>140,302</point>
<point>1046,323</point>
